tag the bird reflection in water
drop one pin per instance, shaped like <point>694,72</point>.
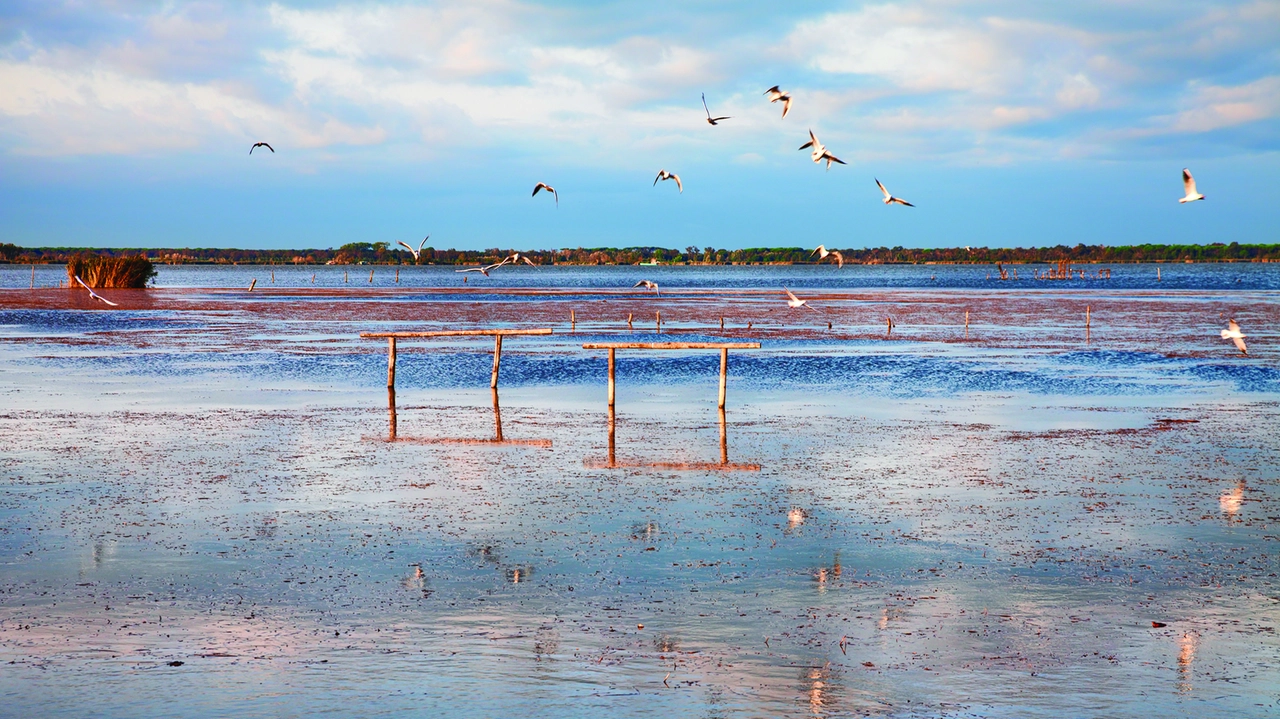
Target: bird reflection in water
<point>824,575</point>
<point>817,681</point>
<point>1186,655</point>
<point>1231,501</point>
<point>796,517</point>
<point>645,530</point>
<point>546,642</point>
<point>666,644</point>
<point>516,575</point>
<point>417,580</point>
<point>487,552</point>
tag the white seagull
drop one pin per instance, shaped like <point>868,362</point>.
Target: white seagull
<point>775,95</point>
<point>484,270</point>
<point>1189,184</point>
<point>795,302</point>
<point>648,284</point>
<point>820,151</point>
<point>710,120</point>
<point>413,251</point>
<point>664,175</point>
<point>97,296</point>
<point>515,259</point>
<point>548,188</point>
<point>1234,334</point>
<point>890,199</point>
<point>822,253</point>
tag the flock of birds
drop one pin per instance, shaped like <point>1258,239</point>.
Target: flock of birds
<point>818,153</point>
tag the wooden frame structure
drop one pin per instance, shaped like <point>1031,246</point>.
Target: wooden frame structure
<point>724,348</point>
<point>497,345</point>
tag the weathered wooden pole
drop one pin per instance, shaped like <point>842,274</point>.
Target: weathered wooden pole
<point>397,275</point>
<point>724,439</point>
<point>344,276</point>
<point>629,318</point>
<point>497,359</point>
<point>721,321</point>
<point>1087,308</point>
<point>252,283</point>
<point>33,277</point>
<point>497,415</point>
<point>313,278</point>
<point>724,373</point>
<point>573,319</point>
<point>612,426</point>
<point>391,361</point>
<point>391,408</point>
<point>370,276</point>
<point>657,318</point>
<point>611,382</point>
<point>273,277</point>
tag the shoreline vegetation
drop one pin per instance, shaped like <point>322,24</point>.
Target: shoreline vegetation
<point>381,253</point>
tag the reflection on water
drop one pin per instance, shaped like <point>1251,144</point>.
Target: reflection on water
<point>1186,655</point>
<point>1231,501</point>
<point>498,438</point>
<point>516,575</point>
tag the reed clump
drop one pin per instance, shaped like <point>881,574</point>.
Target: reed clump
<point>111,272</point>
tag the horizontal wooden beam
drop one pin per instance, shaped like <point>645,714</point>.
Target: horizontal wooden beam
<point>458,333</point>
<point>671,346</point>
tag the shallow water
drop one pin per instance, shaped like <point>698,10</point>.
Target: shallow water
<point>936,526</point>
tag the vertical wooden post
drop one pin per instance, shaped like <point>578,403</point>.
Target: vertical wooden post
<point>33,277</point>
<point>724,439</point>
<point>497,359</point>
<point>370,276</point>
<point>721,321</point>
<point>573,319</point>
<point>273,277</point>
<point>397,275</point>
<point>313,278</point>
<point>612,426</point>
<point>657,318</point>
<point>252,283</point>
<point>629,315</point>
<point>611,382</point>
<point>344,276</point>
<point>497,415</point>
<point>391,361</point>
<point>1087,309</point>
<point>391,408</point>
<point>724,371</point>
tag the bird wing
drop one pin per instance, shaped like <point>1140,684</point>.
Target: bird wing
<point>839,258</point>
<point>398,242</point>
<point>773,91</point>
<point>659,177</point>
<point>786,105</point>
<point>1240,345</point>
<point>641,283</point>
<point>678,183</point>
<point>1231,325</point>
<point>1188,182</point>
<point>472,269</point>
<point>528,261</point>
<point>791,295</point>
<point>252,148</point>
<point>718,119</point>
<point>537,187</point>
<point>704,105</point>
<point>821,248</point>
<point>901,201</point>
<point>813,141</point>
<point>887,196</point>
<point>830,158</point>
<point>272,149</point>
<point>424,241</point>
<point>93,294</point>
<point>556,194</point>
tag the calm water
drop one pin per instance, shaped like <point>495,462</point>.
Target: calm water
<point>201,515</point>
<point>1249,276</point>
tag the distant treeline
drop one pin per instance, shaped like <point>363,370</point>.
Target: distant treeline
<point>382,253</point>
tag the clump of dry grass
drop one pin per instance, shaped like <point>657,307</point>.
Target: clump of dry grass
<point>109,272</point>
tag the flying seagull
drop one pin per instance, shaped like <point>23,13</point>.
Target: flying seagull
<point>484,270</point>
<point>710,120</point>
<point>1189,183</point>
<point>795,302</point>
<point>890,199</point>
<point>1233,333</point>
<point>820,151</point>
<point>648,284</point>
<point>417,251</point>
<point>775,95</point>
<point>822,253</point>
<point>256,145</point>
<point>515,259</point>
<point>664,175</point>
<point>97,296</point>
<point>548,188</point>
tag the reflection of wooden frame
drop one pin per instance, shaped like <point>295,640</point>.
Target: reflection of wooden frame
<point>497,429</point>
<point>723,464</point>
<point>497,345</point>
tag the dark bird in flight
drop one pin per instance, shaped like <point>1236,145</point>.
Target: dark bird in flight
<point>548,188</point>
<point>256,145</point>
<point>710,120</point>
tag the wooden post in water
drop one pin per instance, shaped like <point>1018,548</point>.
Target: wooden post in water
<point>629,318</point>
<point>391,362</point>
<point>344,276</point>
<point>497,359</point>
<point>611,384</point>
<point>273,277</point>
<point>497,415</point>
<point>721,321</point>
<point>370,276</point>
<point>724,439</point>
<point>724,374</point>
<point>1087,308</point>
<point>397,275</point>
<point>573,319</point>
<point>612,426</point>
<point>657,318</point>
<point>252,283</point>
<point>313,278</point>
<point>391,408</point>
<point>33,277</point>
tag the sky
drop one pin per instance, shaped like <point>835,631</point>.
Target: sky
<point>1007,123</point>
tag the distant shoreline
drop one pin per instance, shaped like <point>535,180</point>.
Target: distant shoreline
<point>381,253</point>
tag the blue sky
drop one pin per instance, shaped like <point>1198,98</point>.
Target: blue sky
<point>1007,123</point>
